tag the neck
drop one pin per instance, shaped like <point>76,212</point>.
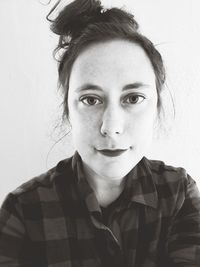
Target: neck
<point>106,189</point>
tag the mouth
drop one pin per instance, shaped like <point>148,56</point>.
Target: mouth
<point>112,153</point>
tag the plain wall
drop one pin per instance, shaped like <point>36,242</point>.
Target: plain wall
<point>30,105</point>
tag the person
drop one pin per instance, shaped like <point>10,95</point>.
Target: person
<point>107,205</point>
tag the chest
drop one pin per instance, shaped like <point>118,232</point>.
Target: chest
<point>132,237</point>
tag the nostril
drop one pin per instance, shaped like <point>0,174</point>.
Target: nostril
<point>111,128</point>
<point>105,133</point>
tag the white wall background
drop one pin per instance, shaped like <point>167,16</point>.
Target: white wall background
<point>30,104</point>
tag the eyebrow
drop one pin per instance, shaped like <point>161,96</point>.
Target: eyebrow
<point>135,85</point>
<point>89,86</point>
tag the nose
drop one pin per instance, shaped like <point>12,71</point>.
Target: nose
<point>112,122</point>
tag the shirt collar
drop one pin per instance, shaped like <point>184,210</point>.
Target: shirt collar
<point>139,186</point>
<point>85,190</point>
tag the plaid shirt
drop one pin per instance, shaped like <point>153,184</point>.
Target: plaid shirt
<point>55,220</point>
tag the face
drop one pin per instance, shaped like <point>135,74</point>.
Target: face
<point>112,106</point>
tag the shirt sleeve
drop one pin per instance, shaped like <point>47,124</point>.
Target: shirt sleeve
<point>12,234</point>
<point>184,238</point>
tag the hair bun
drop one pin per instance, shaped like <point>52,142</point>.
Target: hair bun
<point>74,17</point>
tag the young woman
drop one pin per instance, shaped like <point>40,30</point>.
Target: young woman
<point>108,205</point>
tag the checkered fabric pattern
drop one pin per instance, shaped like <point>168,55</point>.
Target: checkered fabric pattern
<point>55,220</point>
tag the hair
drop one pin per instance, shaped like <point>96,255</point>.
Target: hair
<point>85,22</point>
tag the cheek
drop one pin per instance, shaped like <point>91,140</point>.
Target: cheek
<point>80,120</point>
<point>141,125</point>
<point>85,125</point>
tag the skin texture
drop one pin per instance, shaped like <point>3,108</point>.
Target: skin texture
<point>112,105</point>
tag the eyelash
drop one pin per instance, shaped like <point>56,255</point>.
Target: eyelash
<point>138,99</point>
<point>90,97</point>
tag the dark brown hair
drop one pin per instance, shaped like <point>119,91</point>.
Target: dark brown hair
<point>84,22</point>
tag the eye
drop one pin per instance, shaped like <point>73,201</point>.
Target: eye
<point>134,99</point>
<point>91,100</point>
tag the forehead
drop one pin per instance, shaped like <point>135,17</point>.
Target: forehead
<point>112,61</point>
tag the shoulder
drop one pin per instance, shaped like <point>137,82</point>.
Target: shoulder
<point>163,173</point>
<point>171,184</point>
<point>40,198</point>
<point>43,186</point>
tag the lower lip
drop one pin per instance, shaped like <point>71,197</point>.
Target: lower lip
<point>110,153</point>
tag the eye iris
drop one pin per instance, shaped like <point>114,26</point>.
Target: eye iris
<point>91,100</point>
<point>133,99</point>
